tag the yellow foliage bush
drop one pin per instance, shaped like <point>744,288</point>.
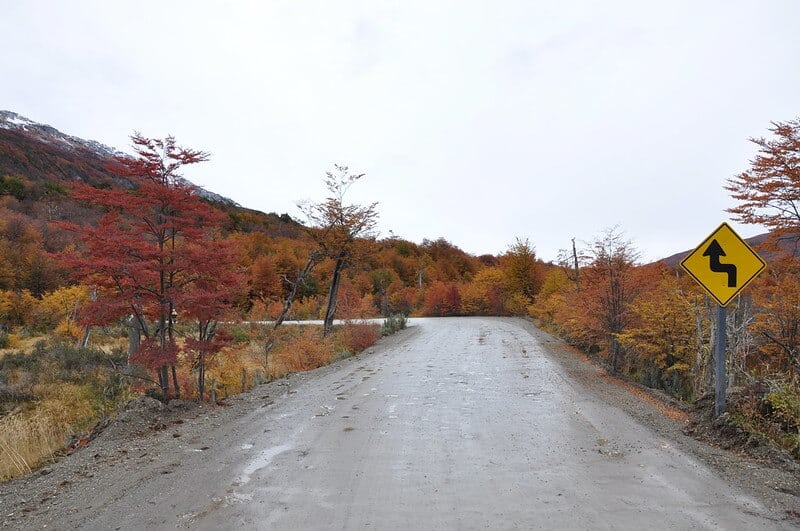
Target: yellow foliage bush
<point>234,371</point>
<point>60,307</point>
<point>68,329</point>
<point>17,308</point>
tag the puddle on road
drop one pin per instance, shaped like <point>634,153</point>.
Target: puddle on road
<point>262,460</point>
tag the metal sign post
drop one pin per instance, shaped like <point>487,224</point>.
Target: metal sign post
<point>720,377</point>
<point>723,265</point>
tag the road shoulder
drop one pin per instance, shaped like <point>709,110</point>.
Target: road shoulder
<point>775,486</point>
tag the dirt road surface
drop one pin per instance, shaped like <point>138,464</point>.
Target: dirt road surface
<point>462,423</point>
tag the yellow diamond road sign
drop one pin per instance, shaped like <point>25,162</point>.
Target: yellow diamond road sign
<point>723,264</point>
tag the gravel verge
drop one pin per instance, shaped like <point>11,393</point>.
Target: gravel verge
<point>770,475</point>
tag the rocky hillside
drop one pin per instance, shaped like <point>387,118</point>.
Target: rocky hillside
<point>38,162</point>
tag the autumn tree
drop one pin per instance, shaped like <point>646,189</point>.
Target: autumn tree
<point>522,272</point>
<point>777,320</point>
<point>769,192</point>
<point>59,309</point>
<point>205,305</point>
<point>486,294</point>
<point>442,300</point>
<point>265,285</point>
<point>664,338</point>
<point>609,286</point>
<point>154,251</point>
<point>337,224</point>
<point>446,262</point>
<point>381,279</point>
<point>552,296</point>
<point>24,264</point>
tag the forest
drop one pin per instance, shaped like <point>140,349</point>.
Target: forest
<point>117,280</point>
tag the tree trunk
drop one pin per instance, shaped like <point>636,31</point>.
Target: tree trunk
<point>331,310</point>
<point>313,259</point>
<point>201,377</point>
<point>134,336</point>
<point>384,303</point>
<point>84,338</point>
<point>614,354</point>
<point>175,382</point>
<point>577,271</point>
<point>163,380</point>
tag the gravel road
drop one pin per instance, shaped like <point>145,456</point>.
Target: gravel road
<point>460,423</point>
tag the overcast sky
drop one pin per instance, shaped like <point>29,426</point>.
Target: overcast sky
<point>478,121</point>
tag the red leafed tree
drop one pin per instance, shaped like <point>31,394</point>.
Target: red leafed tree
<point>769,192</point>
<point>210,298</point>
<point>154,253</point>
<point>442,300</point>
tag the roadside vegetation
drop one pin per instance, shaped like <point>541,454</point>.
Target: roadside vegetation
<point>653,324</point>
<point>109,292</point>
<point>53,394</point>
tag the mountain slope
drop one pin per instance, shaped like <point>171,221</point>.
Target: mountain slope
<point>42,162</point>
<point>42,152</point>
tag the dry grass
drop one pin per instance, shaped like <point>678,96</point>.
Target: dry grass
<point>17,343</point>
<point>303,348</point>
<point>26,440</point>
<point>32,437</point>
<point>37,431</point>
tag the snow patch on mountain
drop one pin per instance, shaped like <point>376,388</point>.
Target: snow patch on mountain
<point>50,135</point>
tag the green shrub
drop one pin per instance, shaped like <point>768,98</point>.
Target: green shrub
<point>12,185</point>
<point>393,323</point>
<point>783,404</point>
<point>240,334</point>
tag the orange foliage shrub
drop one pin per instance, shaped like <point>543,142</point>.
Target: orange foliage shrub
<point>307,308</point>
<point>348,301</point>
<point>359,336</point>
<point>300,349</point>
<point>403,300</point>
<point>368,307</point>
<point>187,381</point>
<point>442,299</point>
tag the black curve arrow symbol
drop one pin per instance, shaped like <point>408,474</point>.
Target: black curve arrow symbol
<point>713,253</point>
